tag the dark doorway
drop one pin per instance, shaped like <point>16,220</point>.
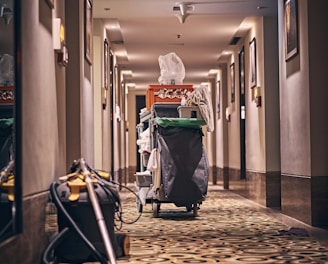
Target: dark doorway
<point>241,58</point>
<point>140,103</point>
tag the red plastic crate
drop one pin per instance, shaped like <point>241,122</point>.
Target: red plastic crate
<point>6,94</point>
<point>166,93</point>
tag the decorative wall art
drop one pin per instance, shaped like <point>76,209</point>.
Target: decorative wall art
<point>106,64</point>
<point>252,50</point>
<point>232,74</point>
<point>106,74</point>
<point>88,31</point>
<point>218,95</point>
<point>290,28</point>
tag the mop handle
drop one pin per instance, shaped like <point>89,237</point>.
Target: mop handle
<point>99,216</point>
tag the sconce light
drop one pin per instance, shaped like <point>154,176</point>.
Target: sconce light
<point>56,34</point>
<point>228,113</point>
<point>257,97</point>
<point>58,37</point>
<point>62,56</point>
<point>104,98</point>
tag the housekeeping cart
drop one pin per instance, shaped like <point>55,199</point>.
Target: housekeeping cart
<point>178,163</point>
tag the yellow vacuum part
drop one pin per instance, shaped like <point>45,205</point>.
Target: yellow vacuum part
<point>126,246</point>
<point>76,183</point>
<point>9,187</point>
<point>104,174</point>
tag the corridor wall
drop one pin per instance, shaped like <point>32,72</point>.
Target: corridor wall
<point>43,128</point>
<point>304,143</point>
<point>262,143</point>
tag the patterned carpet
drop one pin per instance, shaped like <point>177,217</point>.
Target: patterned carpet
<point>228,229</point>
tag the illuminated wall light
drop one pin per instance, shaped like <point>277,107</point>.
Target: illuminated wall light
<point>56,34</point>
<point>62,33</point>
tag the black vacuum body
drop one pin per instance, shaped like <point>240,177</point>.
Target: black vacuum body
<point>6,213</point>
<point>73,249</point>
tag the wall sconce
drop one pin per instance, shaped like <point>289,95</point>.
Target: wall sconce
<point>104,98</point>
<point>117,113</point>
<point>62,56</point>
<point>58,37</point>
<point>228,113</point>
<point>58,34</point>
<point>257,96</point>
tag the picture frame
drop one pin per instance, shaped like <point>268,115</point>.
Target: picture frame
<point>232,76</point>
<point>253,73</point>
<point>218,84</point>
<point>88,30</point>
<point>242,70</point>
<point>106,64</point>
<point>290,29</point>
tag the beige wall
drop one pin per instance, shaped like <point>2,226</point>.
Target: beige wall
<point>303,95</point>
<point>294,100</point>
<point>262,123</point>
<point>221,128</point>
<point>42,123</point>
<point>270,92</point>
<point>318,57</point>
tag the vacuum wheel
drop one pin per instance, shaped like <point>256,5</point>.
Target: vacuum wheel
<point>195,209</point>
<point>156,207</point>
<point>123,242</point>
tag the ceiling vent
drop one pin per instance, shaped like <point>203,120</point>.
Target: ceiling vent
<point>234,40</point>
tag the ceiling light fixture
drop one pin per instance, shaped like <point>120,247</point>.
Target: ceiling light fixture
<point>183,7</point>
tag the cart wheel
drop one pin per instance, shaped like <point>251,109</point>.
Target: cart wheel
<point>189,208</point>
<point>195,210</point>
<point>139,207</point>
<point>156,209</point>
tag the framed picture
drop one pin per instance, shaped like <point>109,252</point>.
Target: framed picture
<point>252,51</point>
<point>88,30</point>
<point>218,95</point>
<point>290,28</point>
<point>106,64</point>
<point>242,71</point>
<point>232,74</point>
<point>51,3</point>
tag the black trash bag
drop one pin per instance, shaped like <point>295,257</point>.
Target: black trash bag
<point>184,164</point>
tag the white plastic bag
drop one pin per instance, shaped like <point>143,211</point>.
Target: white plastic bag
<point>201,96</point>
<point>172,69</point>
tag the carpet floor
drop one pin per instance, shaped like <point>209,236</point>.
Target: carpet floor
<point>227,229</point>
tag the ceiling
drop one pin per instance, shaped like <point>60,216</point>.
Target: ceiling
<point>142,30</point>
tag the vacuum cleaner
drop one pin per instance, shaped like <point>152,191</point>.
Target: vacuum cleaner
<point>86,204</point>
<point>7,199</point>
